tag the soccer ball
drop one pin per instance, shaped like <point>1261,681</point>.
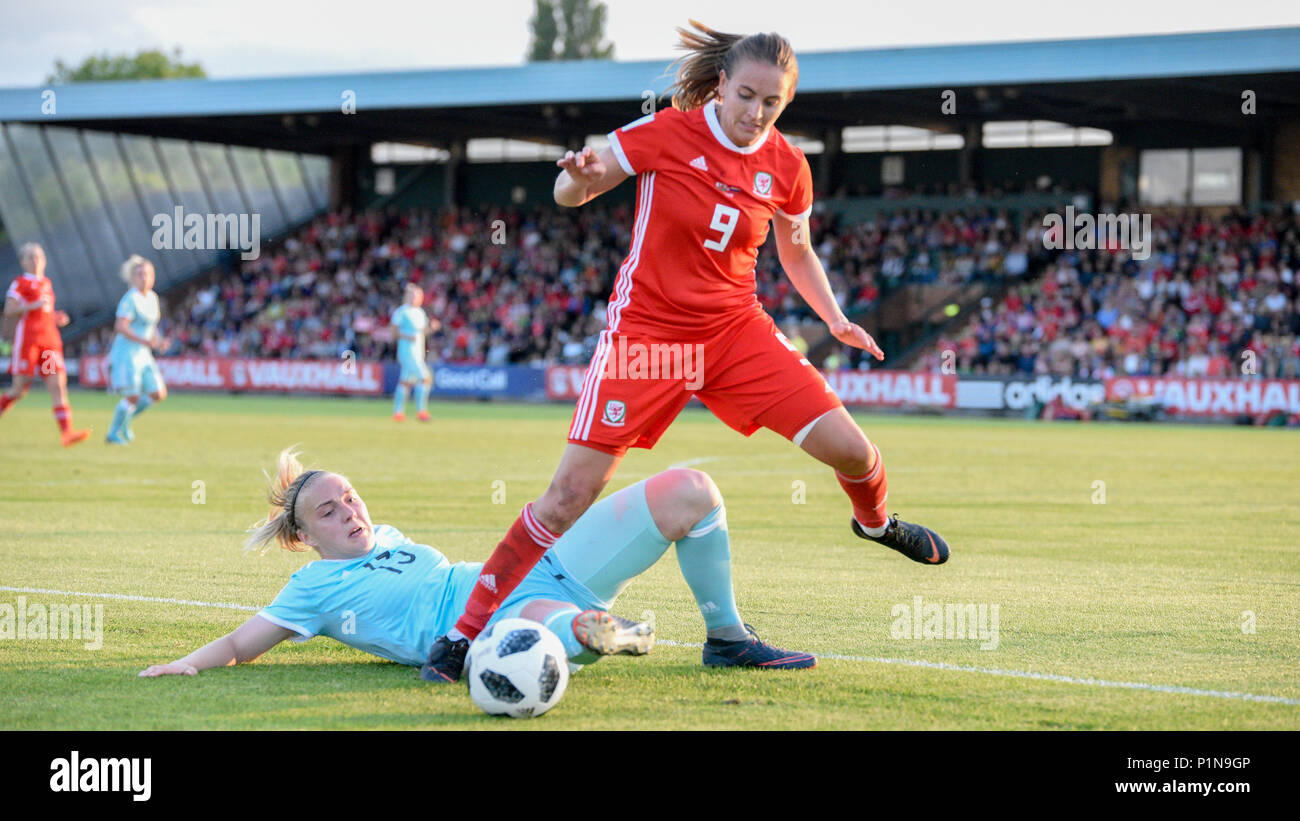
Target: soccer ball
<point>517,668</point>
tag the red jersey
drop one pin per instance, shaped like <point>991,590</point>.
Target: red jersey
<point>34,326</point>
<point>703,205</point>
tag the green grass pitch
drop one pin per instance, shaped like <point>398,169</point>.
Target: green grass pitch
<point>1186,577</point>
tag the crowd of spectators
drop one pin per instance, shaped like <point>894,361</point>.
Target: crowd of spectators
<point>1216,297</point>
<point>511,286</point>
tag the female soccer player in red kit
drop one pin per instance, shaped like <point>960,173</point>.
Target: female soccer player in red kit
<point>38,347</point>
<point>712,172</point>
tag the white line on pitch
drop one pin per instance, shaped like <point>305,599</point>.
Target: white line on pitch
<point>993,671</point>
<point>80,482</point>
<point>699,460</point>
<point>932,665</point>
<point>125,597</point>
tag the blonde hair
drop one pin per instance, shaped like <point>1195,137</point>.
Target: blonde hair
<point>711,52</point>
<point>27,250</point>
<point>281,523</point>
<point>131,265</point>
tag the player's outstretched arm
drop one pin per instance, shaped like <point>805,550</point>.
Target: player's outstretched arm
<point>245,643</point>
<point>804,268</point>
<point>586,175</point>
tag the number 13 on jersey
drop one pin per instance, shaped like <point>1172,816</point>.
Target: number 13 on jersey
<point>724,219</point>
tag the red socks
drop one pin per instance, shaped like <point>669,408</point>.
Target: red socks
<point>868,493</point>
<point>63,415</point>
<point>6,401</point>
<point>521,549</point>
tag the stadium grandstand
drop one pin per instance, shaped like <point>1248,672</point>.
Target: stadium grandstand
<point>935,169</point>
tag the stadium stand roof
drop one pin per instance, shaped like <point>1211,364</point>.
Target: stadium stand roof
<point>1180,79</point>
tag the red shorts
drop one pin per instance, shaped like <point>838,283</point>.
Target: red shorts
<point>748,375</point>
<point>38,358</point>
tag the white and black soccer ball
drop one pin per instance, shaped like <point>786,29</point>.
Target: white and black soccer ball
<point>517,668</point>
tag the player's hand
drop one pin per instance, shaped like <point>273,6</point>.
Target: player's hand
<point>159,342</point>
<point>851,333</point>
<point>175,668</point>
<point>61,318</point>
<point>40,304</point>
<point>434,325</point>
<point>584,167</point>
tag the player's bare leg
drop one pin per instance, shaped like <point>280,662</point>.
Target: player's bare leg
<point>58,386</point>
<point>836,440</point>
<point>17,390</point>
<point>581,476</point>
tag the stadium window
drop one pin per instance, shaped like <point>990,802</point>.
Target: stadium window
<point>1216,176</point>
<point>1197,176</point>
<point>1041,134</point>
<point>806,144</point>
<point>397,153</point>
<point>861,139</point>
<point>493,149</point>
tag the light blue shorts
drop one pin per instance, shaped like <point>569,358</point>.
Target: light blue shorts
<point>593,563</point>
<point>136,376</point>
<point>414,369</point>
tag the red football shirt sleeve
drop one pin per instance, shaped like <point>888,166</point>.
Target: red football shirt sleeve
<point>799,206</point>
<point>637,144</point>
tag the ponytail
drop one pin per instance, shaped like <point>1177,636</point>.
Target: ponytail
<point>711,52</point>
<point>282,494</point>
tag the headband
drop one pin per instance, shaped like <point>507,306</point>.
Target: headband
<point>293,502</point>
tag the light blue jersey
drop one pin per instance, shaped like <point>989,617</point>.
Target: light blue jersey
<point>131,363</point>
<point>398,598</point>
<point>392,602</point>
<point>411,321</point>
<point>142,313</point>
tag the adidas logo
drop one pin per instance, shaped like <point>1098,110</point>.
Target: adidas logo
<point>489,581</point>
<point>699,163</point>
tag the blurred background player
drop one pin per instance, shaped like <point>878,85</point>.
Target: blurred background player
<point>712,172</point>
<point>135,374</point>
<point>38,346</point>
<point>411,323</point>
<point>377,571</point>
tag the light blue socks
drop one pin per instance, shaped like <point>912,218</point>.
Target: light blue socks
<point>704,555</point>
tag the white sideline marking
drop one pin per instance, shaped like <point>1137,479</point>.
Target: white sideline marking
<point>993,671</point>
<point>125,597</point>
<point>932,665</point>
<point>82,482</point>
<point>699,460</point>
